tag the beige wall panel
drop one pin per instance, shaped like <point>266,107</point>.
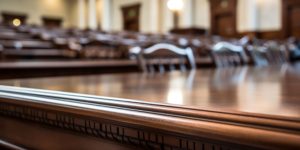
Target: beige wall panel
<point>35,9</point>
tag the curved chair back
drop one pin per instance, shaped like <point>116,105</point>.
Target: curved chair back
<point>101,49</point>
<point>225,54</point>
<point>162,57</point>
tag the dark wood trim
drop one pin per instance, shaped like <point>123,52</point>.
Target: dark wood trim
<point>24,69</point>
<point>268,35</point>
<point>286,7</point>
<point>128,21</point>
<point>284,19</point>
<point>217,11</point>
<point>52,22</point>
<point>189,31</point>
<point>7,17</point>
<point>138,123</point>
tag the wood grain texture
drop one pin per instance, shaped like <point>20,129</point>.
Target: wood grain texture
<point>98,116</point>
<point>227,108</point>
<point>262,90</point>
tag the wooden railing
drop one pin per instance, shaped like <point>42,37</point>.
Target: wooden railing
<point>130,123</point>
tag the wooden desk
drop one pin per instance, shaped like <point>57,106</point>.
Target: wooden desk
<point>231,108</point>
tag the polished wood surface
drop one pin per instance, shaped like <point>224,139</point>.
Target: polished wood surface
<point>4,145</point>
<point>65,64</point>
<point>46,68</point>
<point>63,140</point>
<point>271,91</point>
<point>205,109</point>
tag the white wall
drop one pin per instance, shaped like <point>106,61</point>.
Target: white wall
<point>269,17</point>
<point>35,9</point>
<point>202,14</point>
<point>149,15</point>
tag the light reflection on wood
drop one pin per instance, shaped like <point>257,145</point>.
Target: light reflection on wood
<point>266,90</point>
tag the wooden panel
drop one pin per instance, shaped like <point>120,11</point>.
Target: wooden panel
<point>131,17</point>
<point>223,17</point>
<point>225,25</point>
<point>294,21</point>
<point>40,114</point>
<point>51,22</point>
<point>290,18</point>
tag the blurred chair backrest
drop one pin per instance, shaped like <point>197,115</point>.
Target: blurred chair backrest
<point>101,49</point>
<point>164,57</point>
<point>271,53</point>
<point>225,54</point>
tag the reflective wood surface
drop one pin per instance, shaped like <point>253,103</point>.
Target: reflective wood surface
<point>261,91</point>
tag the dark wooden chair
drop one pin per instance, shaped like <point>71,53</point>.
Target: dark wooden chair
<point>164,57</point>
<point>104,49</point>
<point>225,54</point>
<point>202,50</point>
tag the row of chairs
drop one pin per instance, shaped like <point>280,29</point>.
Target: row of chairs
<point>162,57</point>
<point>19,43</point>
<point>76,43</point>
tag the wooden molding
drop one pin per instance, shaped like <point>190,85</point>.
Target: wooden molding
<point>189,31</point>
<point>9,146</point>
<point>149,124</point>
